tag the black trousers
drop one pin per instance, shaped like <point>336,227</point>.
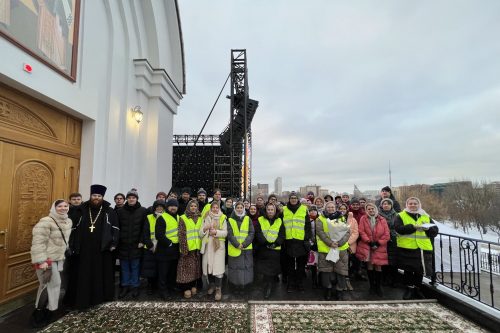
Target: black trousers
<point>295,268</point>
<point>165,269</point>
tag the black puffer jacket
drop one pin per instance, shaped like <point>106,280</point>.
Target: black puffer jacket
<point>131,221</point>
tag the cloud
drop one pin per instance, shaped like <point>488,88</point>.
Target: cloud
<point>345,87</point>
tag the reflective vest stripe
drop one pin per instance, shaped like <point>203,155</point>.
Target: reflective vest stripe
<point>295,223</point>
<point>322,247</point>
<point>418,239</point>
<point>152,225</point>
<point>269,231</point>
<point>172,227</point>
<point>192,233</point>
<point>240,235</point>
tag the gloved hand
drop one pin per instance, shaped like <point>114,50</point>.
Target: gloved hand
<point>307,245</point>
<point>377,244</point>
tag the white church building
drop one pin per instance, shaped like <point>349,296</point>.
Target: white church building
<point>88,94</point>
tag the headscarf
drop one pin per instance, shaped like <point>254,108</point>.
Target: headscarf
<point>236,213</point>
<point>419,211</point>
<point>214,220</point>
<point>55,215</point>
<point>256,215</point>
<point>194,216</point>
<point>372,219</point>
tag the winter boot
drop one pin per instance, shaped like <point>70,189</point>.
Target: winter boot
<point>267,291</point>
<point>348,284</point>
<point>340,295</point>
<point>378,284</point>
<point>328,294</point>
<point>409,293</point>
<point>218,293</point>
<point>417,293</point>
<point>135,292</point>
<point>371,280</point>
<point>211,289</point>
<point>38,319</point>
<point>123,292</point>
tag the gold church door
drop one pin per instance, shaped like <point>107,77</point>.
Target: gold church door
<point>38,178</point>
<point>39,162</point>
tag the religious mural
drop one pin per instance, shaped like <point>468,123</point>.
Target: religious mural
<point>47,29</point>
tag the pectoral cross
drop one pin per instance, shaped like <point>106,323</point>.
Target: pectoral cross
<point>92,228</point>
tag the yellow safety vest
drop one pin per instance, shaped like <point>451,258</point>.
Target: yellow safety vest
<point>295,223</point>
<point>270,231</point>
<point>192,232</point>
<point>171,228</point>
<point>322,247</point>
<point>221,224</point>
<point>240,234</point>
<point>418,239</point>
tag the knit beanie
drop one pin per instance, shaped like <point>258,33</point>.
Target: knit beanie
<point>172,202</point>
<point>159,203</point>
<point>201,190</point>
<point>133,193</point>
<point>354,200</point>
<point>386,189</point>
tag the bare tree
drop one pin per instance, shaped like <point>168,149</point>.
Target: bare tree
<point>473,206</point>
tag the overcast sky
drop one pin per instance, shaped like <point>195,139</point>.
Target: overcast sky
<point>346,86</point>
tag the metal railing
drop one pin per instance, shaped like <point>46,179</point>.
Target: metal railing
<point>469,266</point>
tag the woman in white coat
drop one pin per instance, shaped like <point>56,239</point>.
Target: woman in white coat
<point>213,233</point>
<point>48,247</point>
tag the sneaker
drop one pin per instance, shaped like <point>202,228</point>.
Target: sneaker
<point>187,294</point>
<point>211,290</point>
<point>193,291</point>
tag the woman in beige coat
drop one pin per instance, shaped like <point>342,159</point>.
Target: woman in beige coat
<point>213,233</point>
<point>50,237</point>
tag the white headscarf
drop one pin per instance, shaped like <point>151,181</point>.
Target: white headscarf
<point>419,210</point>
<point>55,215</point>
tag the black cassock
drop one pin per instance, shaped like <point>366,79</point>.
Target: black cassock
<point>94,267</point>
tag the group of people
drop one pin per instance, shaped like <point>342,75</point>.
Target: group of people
<point>180,241</point>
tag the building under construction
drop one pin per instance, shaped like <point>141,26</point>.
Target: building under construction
<point>220,161</point>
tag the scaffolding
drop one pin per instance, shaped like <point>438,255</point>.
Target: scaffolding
<point>221,161</point>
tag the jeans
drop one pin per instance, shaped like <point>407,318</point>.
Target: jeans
<point>130,272</point>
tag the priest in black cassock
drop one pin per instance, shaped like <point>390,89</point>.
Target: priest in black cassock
<point>93,239</point>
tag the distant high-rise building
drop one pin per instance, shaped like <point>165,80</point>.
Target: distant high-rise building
<point>262,189</point>
<point>278,186</point>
